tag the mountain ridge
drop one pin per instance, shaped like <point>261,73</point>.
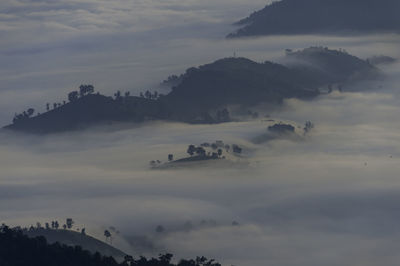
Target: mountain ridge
<point>341,17</point>
<point>203,94</point>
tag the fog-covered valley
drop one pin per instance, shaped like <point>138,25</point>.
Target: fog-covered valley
<point>326,198</point>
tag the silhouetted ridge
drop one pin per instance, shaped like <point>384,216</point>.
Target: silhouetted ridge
<point>204,94</point>
<point>237,81</point>
<point>330,66</point>
<point>17,249</point>
<point>92,109</point>
<point>322,16</point>
<point>72,238</point>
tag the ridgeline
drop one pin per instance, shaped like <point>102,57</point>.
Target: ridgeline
<point>322,17</point>
<point>203,94</point>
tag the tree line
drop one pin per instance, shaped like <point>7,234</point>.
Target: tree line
<point>17,249</point>
<point>84,90</point>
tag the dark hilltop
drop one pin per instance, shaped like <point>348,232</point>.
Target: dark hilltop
<point>322,17</point>
<point>204,94</point>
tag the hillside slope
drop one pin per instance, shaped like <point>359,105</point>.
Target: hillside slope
<point>322,17</point>
<point>204,94</point>
<point>71,238</point>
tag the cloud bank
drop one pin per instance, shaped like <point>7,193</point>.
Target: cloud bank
<point>330,199</point>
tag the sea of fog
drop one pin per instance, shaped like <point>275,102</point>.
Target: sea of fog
<point>330,198</point>
<point>49,48</point>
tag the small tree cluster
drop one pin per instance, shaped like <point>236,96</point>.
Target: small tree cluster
<point>165,260</point>
<point>151,96</point>
<point>24,115</point>
<point>84,89</point>
<point>192,149</point>
<point>308,127</point>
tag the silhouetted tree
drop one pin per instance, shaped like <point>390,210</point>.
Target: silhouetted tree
<point>191,150</point>
<point>200,151</point>
<point>147,94</point>
<point>86,89</point>
<point>107,234</point>
<point>30,111</point>
<point>227,148</point>
<point>72,96</point>
<point>117,95</point>
<point>69,223</point>
<point>308,127</point>
<point>24,115</point>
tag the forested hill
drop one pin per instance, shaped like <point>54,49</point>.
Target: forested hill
<point>89,110</point>
<point>203,94</point>
<point>322,17</point>
<point>72,238</point>
<point>330,66</point>
<point>245,82</point>
<point>237,81</point>
<point>17,249</point>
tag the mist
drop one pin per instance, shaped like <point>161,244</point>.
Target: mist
<point>328,198</point>
<point>49,48</point>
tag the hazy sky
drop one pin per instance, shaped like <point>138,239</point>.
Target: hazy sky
<point>51,47</point>
<point>329,199</point>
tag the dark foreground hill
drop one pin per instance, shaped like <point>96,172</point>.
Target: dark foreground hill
<point>17,249</point>
<point>322,17</point>
<point>72,238</point>
<point>203,94</point>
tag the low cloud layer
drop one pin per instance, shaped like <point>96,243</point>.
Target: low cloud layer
<point>329,199</point>
<point>51,47</point>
